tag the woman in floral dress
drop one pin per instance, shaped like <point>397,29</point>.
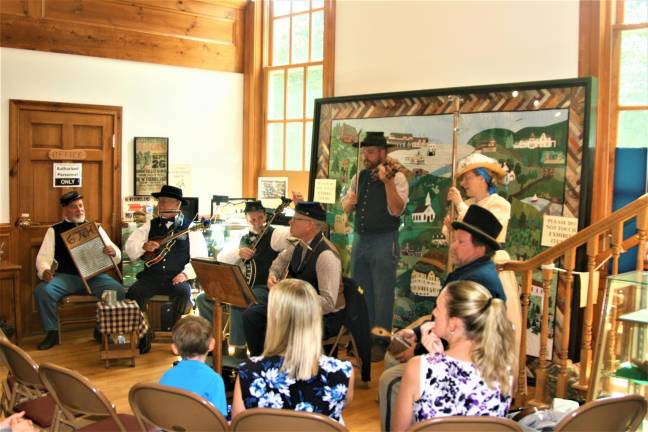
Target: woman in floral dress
<point>292,373</point>
<point>471,378</point>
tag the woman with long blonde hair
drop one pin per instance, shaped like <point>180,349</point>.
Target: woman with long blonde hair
<point>473,376</point>
<point>292,373</point>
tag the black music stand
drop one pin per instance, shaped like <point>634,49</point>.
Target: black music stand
<point>224,283</point>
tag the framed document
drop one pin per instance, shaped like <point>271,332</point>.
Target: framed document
<point>86,249</point>
<point>151,164</point>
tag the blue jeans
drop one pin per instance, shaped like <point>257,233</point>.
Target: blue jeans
<point>237,336</point>
<point>48,294</point>
<point>373,266</point>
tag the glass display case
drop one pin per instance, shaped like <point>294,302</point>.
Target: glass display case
<point>621,356</point>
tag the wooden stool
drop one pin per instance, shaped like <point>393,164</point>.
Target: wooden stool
<point>76,310</point>
<point>122,318</point>
<point>154,312</point>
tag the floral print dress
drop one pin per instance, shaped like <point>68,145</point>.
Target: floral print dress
<point>264,385</point>
<point>451,387</point>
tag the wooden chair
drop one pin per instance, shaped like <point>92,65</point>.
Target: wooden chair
<point>24,389</point>
<point>76,310</point>
<point>280,420</point>
<point>81,405</point>
<point>467,423</point>
<point>623,413</point>
<point>173,409</point>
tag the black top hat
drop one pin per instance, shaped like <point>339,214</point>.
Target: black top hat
<point>252,206</point>
<point>374,139</point>
<point>69,197</point>
<point>481,224</point>
<point>170,192</point>
<point>312,209</point>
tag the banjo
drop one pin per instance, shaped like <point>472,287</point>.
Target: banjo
<point>248,267</point>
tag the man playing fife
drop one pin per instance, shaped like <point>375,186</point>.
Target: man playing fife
<point>378,203</point>
<point>65,280</point>
<point>473,246</point>
<point>315,260</point>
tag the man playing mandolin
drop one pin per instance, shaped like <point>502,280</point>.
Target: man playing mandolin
<point>168,269</point>
<point>255,252</point>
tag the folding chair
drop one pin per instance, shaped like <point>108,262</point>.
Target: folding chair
<point>174,409</point>
<point>623,413</point>
<point>24,389</point>
<point>467,423</point>
<point>81,405</point>
<point>280,420</point>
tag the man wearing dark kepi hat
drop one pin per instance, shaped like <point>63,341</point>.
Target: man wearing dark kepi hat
<point>273,241</point>
<point>313,259</point>
<point>378,203</point>
<point>473,246</point>
<point>170,274</point>
<point>58,272</point>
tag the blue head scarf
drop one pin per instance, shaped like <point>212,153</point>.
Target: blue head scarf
<point>489,180</point>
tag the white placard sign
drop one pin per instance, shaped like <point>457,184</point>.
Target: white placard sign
<point>67,174</point>
<point>180,176</point>
<point>325,191</point>
<point>556,229</point>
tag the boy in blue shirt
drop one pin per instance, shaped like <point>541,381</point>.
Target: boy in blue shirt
<point>192,340</point>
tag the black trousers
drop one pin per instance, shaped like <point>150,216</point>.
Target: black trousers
<point>255,321</point>
<point>148,286</point>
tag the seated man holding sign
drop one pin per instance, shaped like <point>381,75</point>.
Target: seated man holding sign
<point>60,276</point>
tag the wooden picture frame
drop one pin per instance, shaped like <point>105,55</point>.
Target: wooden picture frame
<point>151,156</point>
<point>504,121</point>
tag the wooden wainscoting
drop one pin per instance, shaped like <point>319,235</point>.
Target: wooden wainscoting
<point>207,34</point>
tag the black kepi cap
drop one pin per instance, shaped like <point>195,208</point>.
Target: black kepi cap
<point>312,209</point>
<point>69,197</point>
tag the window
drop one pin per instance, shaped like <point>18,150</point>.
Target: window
<point>294,76</point>
<point>629,96</point>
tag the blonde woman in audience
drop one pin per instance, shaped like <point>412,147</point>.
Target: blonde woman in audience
<point>292,373</point>
<point>473,376</point>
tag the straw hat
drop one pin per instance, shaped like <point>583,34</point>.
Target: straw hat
<point>478,160</point>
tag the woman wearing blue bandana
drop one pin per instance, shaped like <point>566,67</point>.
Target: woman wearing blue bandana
<point>478,176</point>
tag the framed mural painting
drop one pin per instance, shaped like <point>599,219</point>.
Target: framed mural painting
<point>538,131</point>
<point>151,164</point>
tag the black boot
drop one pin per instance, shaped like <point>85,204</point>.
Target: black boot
<point>51,339</point>
<point>145,342</point>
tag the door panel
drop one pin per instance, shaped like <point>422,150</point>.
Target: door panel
<point>36,128</point>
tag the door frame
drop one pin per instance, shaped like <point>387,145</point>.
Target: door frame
<point>15,106</point>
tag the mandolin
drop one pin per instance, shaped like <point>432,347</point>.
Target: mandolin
<point>166,244</point>
<point>248,267</point>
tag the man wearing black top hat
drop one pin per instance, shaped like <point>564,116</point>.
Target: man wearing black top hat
<point>58,272</point>
<point>274,240</point>
<point>172,274</point>
<point>473,246</point>
<point>378,203</point>
<point>313,259</point>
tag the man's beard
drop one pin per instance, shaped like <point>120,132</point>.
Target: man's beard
<point>78,219</point>
<point>370,165</point>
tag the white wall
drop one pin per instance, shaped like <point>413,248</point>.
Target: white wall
<point>395,45</point>
<point>201,112</point>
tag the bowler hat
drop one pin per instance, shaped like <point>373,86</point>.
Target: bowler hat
<point>312,209</point>
<point>482,224</point>
<point>170,192</point>
<point>252,206</point>
<point>69,197</point>
<point>374,139</point>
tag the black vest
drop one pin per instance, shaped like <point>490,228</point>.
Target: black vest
<point>306,269</point>
<point>372,216</point>
<point>263,256</point>
<point>61,253</point>
<point>174,262</point>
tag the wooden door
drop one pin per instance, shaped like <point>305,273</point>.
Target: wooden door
<point>44,133</point>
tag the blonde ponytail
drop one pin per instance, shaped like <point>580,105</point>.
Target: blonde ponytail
<point>488,327</point>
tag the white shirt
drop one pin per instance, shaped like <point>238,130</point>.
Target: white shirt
<point>45,256</point>
<point>197,246</point>
<point>402,188</point>
<point>278,242</point>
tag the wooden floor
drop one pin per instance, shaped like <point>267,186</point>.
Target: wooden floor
<point>81,353</point>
